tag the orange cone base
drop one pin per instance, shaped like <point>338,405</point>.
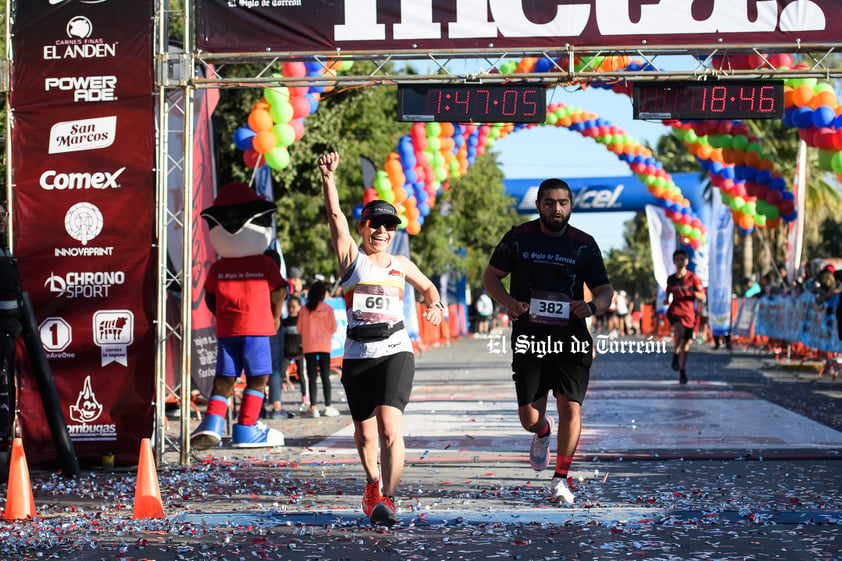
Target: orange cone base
<point>147,498</point>
<point>20,503</point>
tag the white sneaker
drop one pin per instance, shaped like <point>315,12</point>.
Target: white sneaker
<point>313,413</point>
<point>539,452</point>
<point>331,411</point>
<point>559,490</point>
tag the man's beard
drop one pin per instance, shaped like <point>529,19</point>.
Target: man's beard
<point>554,225</point>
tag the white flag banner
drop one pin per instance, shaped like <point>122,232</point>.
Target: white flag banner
<point>721,240</point>
<point>663,244</point>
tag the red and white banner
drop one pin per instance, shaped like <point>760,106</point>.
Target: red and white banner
<point>84,205</point>
<point>328,26</point>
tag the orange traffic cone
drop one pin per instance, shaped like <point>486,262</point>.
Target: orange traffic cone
<point>20,504</point>
<point>147,497</point>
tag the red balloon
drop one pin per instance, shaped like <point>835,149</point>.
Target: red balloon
<point>251,157</point>
<point>837,139</point>
<point>298,126</point>
<point>774,197</point>
<point>300,107</point>
<point>294,69</point>
<point>824,138</point>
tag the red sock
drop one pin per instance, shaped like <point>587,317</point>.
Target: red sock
<point>546,429</point>
<point>250,407</point>
<point>562,465</point>
<point>217,405</point>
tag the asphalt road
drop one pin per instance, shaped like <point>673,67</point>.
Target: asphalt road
<point>741,463</point>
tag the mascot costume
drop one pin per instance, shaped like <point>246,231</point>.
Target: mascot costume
<point>245,291</point>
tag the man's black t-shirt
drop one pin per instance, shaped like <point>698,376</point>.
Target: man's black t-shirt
<point>547,272</point>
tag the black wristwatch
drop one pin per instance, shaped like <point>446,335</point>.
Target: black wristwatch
<point>592,306</point>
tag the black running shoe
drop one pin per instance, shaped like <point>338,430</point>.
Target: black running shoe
<point>683,378</point>
<point>675,363</point>
<point>384,513</point>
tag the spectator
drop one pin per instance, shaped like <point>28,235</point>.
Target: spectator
<point>10,330</point>
<point>485,307</point>
<point>317,324</point>
<point>750,288</point>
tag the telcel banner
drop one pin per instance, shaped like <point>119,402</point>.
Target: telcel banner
<point>84,207</point>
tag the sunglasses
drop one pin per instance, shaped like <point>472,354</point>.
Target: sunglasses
<point>375,224</point>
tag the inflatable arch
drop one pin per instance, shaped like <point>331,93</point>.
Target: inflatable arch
<point>431,153</point>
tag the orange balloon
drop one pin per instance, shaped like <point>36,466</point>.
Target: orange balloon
<point>773,222</point>
<point>752,159</point>
<point>746,221</point>
<point>788,92</point>
<point>824,97</point>
<point>716,154</point>
<point>412,228</point>
<point>412,213</point>
<point>703,151</point>
<point>802,95</point>
<point>262,104</point>
<point>263,142</point>
<point>260,120</point>
<point>766,164</point>
<point>446,129</point>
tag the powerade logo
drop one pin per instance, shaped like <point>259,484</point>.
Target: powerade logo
<point>53,180</point>
<point>84,88</point>
<point>87,284</point>
<point>84,134</point>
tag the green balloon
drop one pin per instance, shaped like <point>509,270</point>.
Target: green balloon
<point>737,203</point>
<point>772,212</point>
<point>740,142</point>
<point>441,173</point>
<point>434,144</point>
<point>823,87</point>
<point>281,111</point>
<point>750,208</point>
<point>277,158</point>
<point>826,159</point>
<point>754,147</point>
<point>279,94</point>
<point>691,136</point>
<point>433,130</point>
<point>508,67</point>
<point>284,133</point>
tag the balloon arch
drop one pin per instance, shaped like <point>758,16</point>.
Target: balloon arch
<point>432,153</point>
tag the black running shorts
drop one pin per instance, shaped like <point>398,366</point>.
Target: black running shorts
<point>534,377</point>
<point>372,382</point>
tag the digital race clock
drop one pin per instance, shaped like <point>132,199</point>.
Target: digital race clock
<point>473,103</point>
<point>723,99</point>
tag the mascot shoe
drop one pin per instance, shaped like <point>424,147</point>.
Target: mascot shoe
<point>255,436</point>
<point>208,433</point>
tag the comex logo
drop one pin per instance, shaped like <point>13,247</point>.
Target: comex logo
<point>83,222</point>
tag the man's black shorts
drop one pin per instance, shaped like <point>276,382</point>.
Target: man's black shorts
<point>371,382</point>
<point>534,377</point>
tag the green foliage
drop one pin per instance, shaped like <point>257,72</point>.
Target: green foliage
<point>362,122</point>
<point>631,268</point>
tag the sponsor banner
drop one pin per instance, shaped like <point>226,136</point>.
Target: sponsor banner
<point>83,159</point>
<point>80,52</point>
<point>663,245</point>
<point>798,318</point>
<point>304,26</point>
<point>605,194</point>
<point>721,240</point>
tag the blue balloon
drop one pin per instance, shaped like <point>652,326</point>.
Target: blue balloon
<point>543,65</point>
<point>788,120</point>
<point>357,212</point>
<point>764,177</point>
<point>837,122</point>
<point>423,209</point>
<point>411,176</point>
<point>314,103</point>
<point>243,138</point>
<point>715,167</point>
<point>823,116</point>
<point>787,195</point>
<point>803,118</point>
<point>728,172</point>
<point>779,184</point>
<point>750,173</point>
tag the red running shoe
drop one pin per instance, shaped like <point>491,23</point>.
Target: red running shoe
<point>371,497</point>
<point>384,513</point>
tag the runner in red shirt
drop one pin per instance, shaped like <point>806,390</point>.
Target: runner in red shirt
<point>683,290</point>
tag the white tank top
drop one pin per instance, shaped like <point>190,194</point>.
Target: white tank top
<point>375,295</point>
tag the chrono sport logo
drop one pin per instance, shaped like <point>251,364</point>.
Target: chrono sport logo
<point>85,284</point>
